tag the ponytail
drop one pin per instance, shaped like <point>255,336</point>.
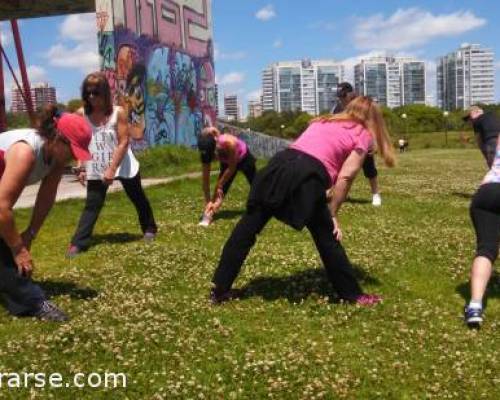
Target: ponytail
<point>47,121</point>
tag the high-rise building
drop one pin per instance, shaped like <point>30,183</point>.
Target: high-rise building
<point>41,94</point>
<point>306,85</point>
<point>466,77</point>
<point>231,107</point>
<point>254,108</point>
<point>392,81</point>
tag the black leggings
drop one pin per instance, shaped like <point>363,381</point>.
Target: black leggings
<point>337,265</point>
<point>369,168</point>
<point>96,195</point>
<point>485,214</point>
<point>246,165</point>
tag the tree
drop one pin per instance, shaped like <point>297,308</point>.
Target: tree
<point>74,105</point>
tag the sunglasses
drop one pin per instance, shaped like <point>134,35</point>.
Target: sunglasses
<point>92,92</point>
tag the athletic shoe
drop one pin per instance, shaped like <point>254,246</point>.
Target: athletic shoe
<point>376,200</point>
<point>205,221</point>
<point>473,316</point>
<point>73,251</point>
<point>218,297</point>
<point>48,311</point>
<point>149,236</point>
<point>367,300</point>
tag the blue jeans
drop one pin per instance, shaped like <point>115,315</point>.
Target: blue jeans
<point>21,294</point>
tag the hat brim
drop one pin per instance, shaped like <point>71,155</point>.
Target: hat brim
<point>79,153</point>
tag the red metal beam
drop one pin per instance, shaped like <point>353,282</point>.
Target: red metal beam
<point>22,68</point>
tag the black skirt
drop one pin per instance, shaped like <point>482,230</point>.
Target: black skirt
<point>291,187</point>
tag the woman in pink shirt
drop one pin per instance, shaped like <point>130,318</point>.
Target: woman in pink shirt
<point>292,188</point>
<point>233,155</point>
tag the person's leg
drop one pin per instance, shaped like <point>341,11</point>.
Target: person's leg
<point>96,195</point>
<point>21,294</point>
<point>333,255</point>
<point>237,248</point>
<point>247,166</point>
<point>371,173</point>
<point>135,192</point>
<point>485,215</point>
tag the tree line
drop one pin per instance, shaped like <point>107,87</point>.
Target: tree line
<point>401,121</point>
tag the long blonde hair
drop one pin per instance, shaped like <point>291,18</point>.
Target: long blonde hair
<point>364,111</point>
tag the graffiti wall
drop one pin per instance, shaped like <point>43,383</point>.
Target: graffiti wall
<point>158,58</point>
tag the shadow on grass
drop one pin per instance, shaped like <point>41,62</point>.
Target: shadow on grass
<point>122,237</point>
<point>299,286</point>
<point>493,290</point>
<point>60,288</point>
<point>463,195</point>
<point>229,214</point>
<point>354,200</point>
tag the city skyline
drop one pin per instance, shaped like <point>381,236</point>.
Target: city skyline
<point>61,50</point>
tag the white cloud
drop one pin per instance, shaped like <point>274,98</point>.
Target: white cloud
<point>5,35</point>
<point>497,65</point>
<point>411,27</point>
<point>278,43</point>
<point>254,95</point>
<point>79,27</point>
<point>73,57</point>
<point>78,44</point>
<point>233,78</point>
<point>266,13</point>
<point>234,56</point>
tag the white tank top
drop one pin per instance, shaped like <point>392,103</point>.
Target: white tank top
<point>30,136</point>
<point>103,144</point>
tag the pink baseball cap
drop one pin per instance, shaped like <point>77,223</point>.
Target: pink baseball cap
<point>76,129</point>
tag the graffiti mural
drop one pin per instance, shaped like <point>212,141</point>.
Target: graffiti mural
<point>158,57</point>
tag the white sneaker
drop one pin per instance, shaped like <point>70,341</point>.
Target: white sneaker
<point>205,221</point>
<point>376,200</point>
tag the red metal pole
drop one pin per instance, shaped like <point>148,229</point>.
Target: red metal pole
<point>3,115</point>
<point>22,68</point>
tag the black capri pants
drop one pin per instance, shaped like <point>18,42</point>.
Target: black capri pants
<point>485,215</point>
<point>369,168</point>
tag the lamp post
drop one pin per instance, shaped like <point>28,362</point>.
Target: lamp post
<point>404,116</point>
<point>445,116</point>
<point>281,128</point>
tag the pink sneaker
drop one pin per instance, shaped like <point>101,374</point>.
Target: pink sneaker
<point>367,300</point>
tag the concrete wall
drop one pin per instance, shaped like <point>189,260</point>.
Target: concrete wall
<point>158,58</point>
<point>260,144</point>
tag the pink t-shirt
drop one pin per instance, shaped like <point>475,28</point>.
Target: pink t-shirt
<point>332,142</point>
<point>241,147</point>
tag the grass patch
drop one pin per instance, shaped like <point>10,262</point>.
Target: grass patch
<point>168,160</point>
<point>142,309</point>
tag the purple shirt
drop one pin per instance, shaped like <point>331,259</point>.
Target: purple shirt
<point>332,142</point>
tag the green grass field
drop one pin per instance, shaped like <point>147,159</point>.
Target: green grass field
<point>142,309</point>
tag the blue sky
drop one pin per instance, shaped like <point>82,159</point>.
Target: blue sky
<point>250,34</point>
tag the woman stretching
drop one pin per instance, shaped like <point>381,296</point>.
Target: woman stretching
<point>28,156</point>
<point>233,155</point>
<point>292,188</point>
<point>111,158</point>
<point>485,214</point>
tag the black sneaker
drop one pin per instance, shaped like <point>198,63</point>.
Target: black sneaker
<point>219,297</point>
<point>473,316</point>
<point>48,311</point>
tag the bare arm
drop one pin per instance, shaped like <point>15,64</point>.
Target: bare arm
<point>230,147</point>
<point>44,201</point>
<point>122,134</point>
<point>346,176</point>
<point>19,161</point>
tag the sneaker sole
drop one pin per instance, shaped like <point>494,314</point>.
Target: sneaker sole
<point>474,320</point>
